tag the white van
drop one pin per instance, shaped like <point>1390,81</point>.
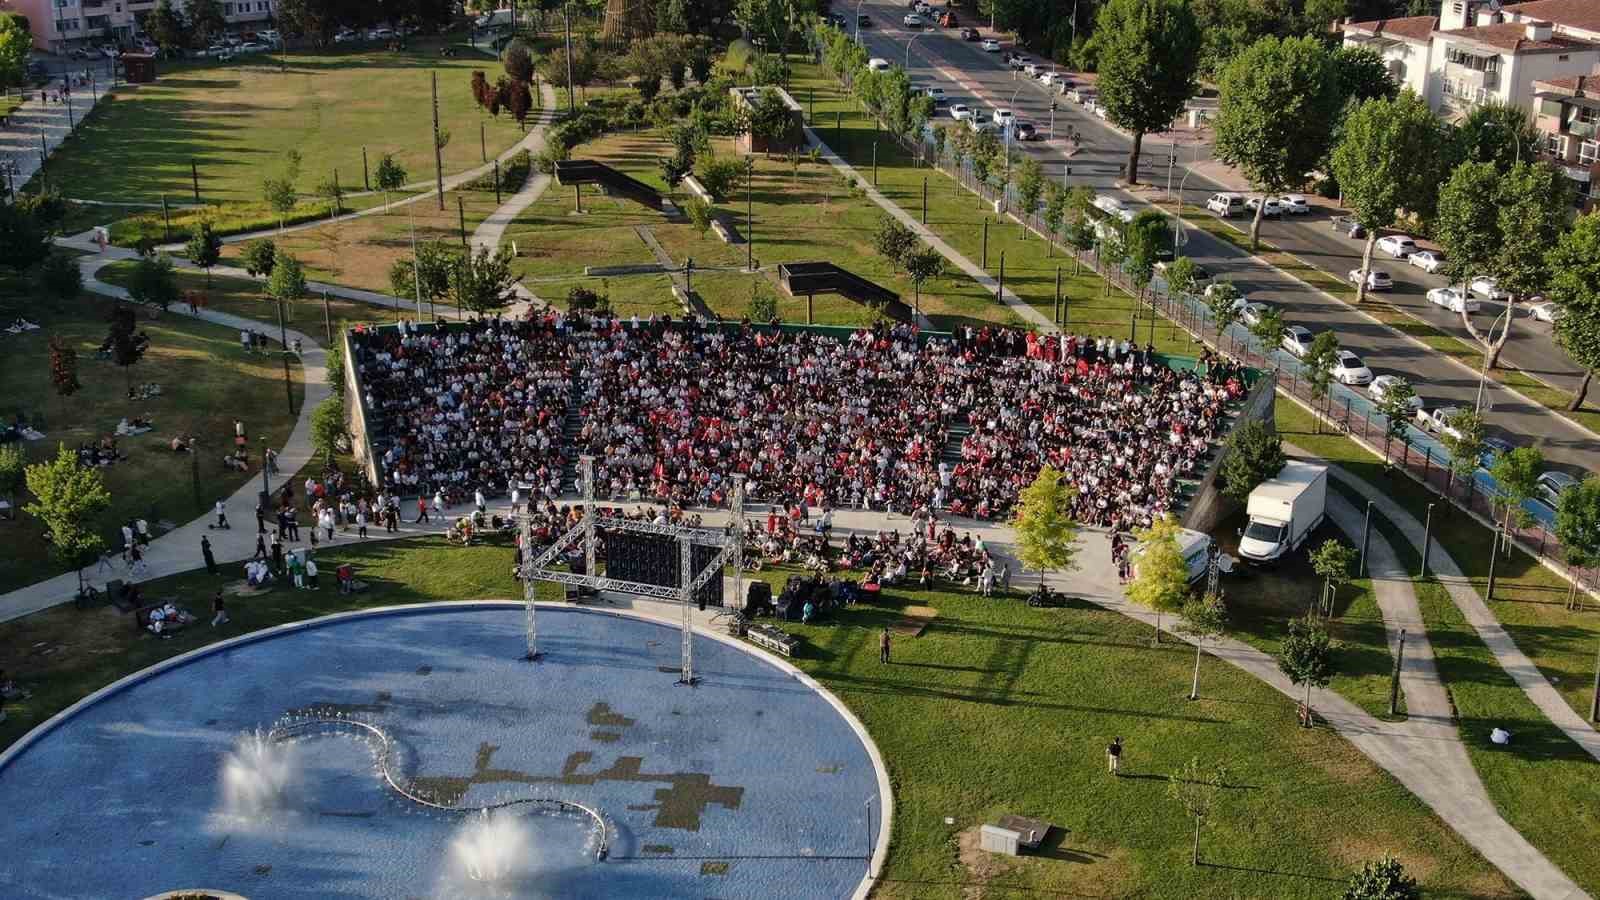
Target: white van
<point>878,64</point>
<point>1195,547</point>
<point>1225,204</point>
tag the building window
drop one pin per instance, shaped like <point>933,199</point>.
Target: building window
<point>1586,115</point>
<point>1553,144</point>
<point>1588,152</point>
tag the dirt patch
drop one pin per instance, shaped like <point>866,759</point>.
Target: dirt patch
<point>981,866</point>
<point>913,620</point>
<point>1355,851</point>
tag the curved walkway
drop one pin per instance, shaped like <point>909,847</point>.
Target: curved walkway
<point>1482,619</point>
<point>491,232</point>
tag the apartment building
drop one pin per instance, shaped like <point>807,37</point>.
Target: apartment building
<point>1567,113</point>
<point>60,25</point>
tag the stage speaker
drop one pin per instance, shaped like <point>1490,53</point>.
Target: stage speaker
<point>757,595</point>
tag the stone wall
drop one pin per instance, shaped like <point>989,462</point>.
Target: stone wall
<point>1210,506</point>
<point>355,413</point>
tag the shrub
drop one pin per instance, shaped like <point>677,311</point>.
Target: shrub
<point>699,213</point>
<point>739,55</point>
<point>719,177</point>
<point>582,299</point>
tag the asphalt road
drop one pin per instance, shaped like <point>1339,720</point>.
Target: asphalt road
<point>983,81</point>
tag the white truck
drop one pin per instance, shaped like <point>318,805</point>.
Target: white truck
<point>1194,546</point>
<point>1282,511</point>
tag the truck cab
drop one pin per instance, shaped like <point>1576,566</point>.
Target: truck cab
<point>1283,511</point>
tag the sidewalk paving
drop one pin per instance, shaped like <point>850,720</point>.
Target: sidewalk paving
<point>20,138</point>
<point>491,231</point>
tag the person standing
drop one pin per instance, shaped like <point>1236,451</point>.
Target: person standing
<point>219,610</point>
<point>883,645</point>
<point>277,555</point>
<point>1114,756</point>
<point>422,511</point>
<point>222,516</point>
<point>205,551</point>
<point>261,519</point>
<point>479,501</point>
<point>136,566</point>
<point>361,524</point>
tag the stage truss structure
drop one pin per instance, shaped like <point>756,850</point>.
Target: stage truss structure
<point>730,552</point>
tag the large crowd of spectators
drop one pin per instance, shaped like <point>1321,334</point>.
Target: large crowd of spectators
<point>671,409</point>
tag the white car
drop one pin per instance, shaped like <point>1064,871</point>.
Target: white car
<point>1545,312</point>
<point>1297,340</point>
<point>1295,204</point>
<point>1377,279</point>
<point>936,93</point>
<point>978,126</point>
<point>1111,206</point>
<point>960,112</point>
<point>269,36</point>
<point>1049,79</point>
<point>1453,300</point>
<point>1080,95</point>
<point>1437,420</point>
<point>1250,313</point>
<point>1002,117</point>
<point>1271,206</point>
<point>1225,204</point>
<point>1485,287</point>
<point>1349,369</point>
<point>346,36</point>
<point>1383,384</point>
<point>382,33</point>
<point>1398,246</point>
<point>879,64</point>
<point>1551,485</point>
<point>253,47</point>
<point>1032,69</point>
<point>912,20</point>
<point>1430,261</point>
<point>990,45</point>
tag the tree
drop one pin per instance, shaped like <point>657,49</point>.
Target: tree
<point>1334,561</point>
<point>1222,300</point>
<point>389,177</point>
<point>1396,408</point>
<point>1268,328</point>
<point>1516,475</point>
<point>1319,361</point>
<point>519,100</point>
<point>584,300</point>
<point>428,276</point>
<point>763,305</point>
<point>1362,75</point>
<point>1535,202</point>
<point>1183,277</point>
<point>483,281</point>
<point>67,498</point>
<point>204,249</point>
<point>1149,50</point>
<point>1278,101</point>
<point>1307,656</point>
<point>152,281</point>
<point>1047,534</point>
<point>1575,284</point>
<point>699,213</point>
<point>1253,453</point>
<point>206,20</point>
<point>893,240</point>
<point>1030,185</point>
<point>719,176</point>
<point>769,119</point>
<point>922,264</point>
<point>1055,209</point>
<point>24,240</point>
<point>1143,241</point>
<point>554,67</point>
<point>13,466</point>
<point>327,427</point>
<point>1498,134</point>
<point>1384,879</point>
<point>63,367</point>
<point>287,283</point>
<point>1464,441</point>
<point>315,20</point>
<point>1578,527</point>
<point>166,27</point>
<point>259,256</point>
<point>15,44</point>
<point>1389,157</point>
<point>1197,788</point>
<point>59,278</point>
<point>1161,577</point>
<point>280,196</point>
<point>1203,619</point>
<point>518,60</point>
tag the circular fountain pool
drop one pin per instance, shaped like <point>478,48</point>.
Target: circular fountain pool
<point>412,752</point>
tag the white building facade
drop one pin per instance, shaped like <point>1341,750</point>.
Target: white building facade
<point>63,24</point>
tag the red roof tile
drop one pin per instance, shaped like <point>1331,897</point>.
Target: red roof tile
<point>1513,36</point>
<point>1417,29</point>
<point>1584,14</point>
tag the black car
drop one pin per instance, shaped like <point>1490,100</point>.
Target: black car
<point>1024,131</point>
<point>836,20</point>
<point>1348,226</point>
<point>863,21</point>
<point>969,34</point>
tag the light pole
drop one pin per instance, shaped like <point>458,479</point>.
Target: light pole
<point>1483,373</point>
<point>1188,170</point>
<point>1008,126</point>
<point>913,40</point>
<point>857,37</point>
<point>749,216</point>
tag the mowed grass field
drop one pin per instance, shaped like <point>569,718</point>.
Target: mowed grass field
<point>206,381</point>
<point>995,708</point>
<point>237,121</point>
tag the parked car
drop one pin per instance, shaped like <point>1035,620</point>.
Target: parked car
<point>253,47</point>
<point>863,21</point>
<point>1430,261</point>
<point>1381,386</point>
<point>1551,485</point>
<point>1437,420</point>
<point>269,36</point>
<point>1020,63</point>
<point>382,33</point>
<point>990,45</point>
<point>1398,246</point>
<point>1487,288</point>
<point>1250,313</point>
<point>1113,207</point>
<point>1452,299</point>
<point>1202,275</point>
<point>1080,94</point>
<point>1002,117</point>
<point>1377,279</point>
<point>960,112</point>
<point>1272,209</point>
<point>937,94</point>
<point>948,20</point>
<point>1348,226</point>
<point>1024,131</point>
<point>346,36</point>
<point>1295,204</point>
<point>879,64</point>
<point>1032,69</point>
<point>1493,448</point>
<point>971,34</point>
<point>1052,79</point>
<point>1349,369</point>
<point>979,126</point>
<point>1225,204</point>
<point>912,20</point>
<point>1297,340</point>
<point>1545,312</point>
<point>835,19</point>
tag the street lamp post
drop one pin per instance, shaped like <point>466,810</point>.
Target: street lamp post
<point>857,37</point>
<point>908,48</point>
<point>1188,170</point>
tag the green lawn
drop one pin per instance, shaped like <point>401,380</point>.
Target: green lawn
<point>235,123</point>
<point>206,382</point>
<point>995,708</point>
<point>244,297</point>
<point>1543,783</point>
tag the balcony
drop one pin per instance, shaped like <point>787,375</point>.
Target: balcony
<point>1583,130</point>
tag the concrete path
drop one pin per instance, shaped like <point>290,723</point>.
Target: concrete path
<point>1482,619</point>
<point>972,270</point>
<point>491,232</point>
<point>37,126</point>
